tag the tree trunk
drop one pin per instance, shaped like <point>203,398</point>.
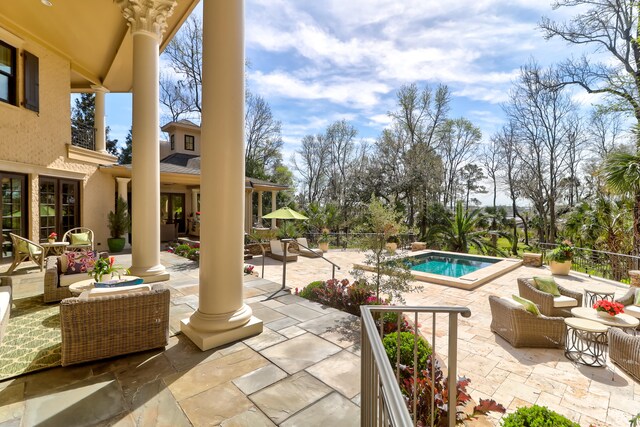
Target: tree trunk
<point>514,244</point>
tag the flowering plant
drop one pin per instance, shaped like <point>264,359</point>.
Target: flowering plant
<point>324,237</point>
<point>102,266</point>
<point>612,308</point>
<point>53,235</point>
<point>248,269</point>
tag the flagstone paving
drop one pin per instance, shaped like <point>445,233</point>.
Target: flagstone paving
<point>304,369</point>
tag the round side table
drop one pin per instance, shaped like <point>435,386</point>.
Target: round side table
<point>586,342</point>
<point>592,295</point>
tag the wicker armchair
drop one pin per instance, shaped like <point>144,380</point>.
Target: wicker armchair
<point>25,249</point>
<point>624,351</point>
<point>53,290</point>
<point>67,237</point>
<point>628,301</point>
<point>523,329</point>
<point>527,290</point>
<point>108,326</point>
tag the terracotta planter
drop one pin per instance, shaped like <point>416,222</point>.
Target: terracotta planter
<point>560,268</point>
<point>392,247</point>
<point>324,246</point>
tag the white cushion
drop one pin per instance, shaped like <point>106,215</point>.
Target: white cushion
<point>564,301</point>
<point>276,247</point>
<point>121,290</point>
<point>632,310</point>
<point>68,279</point>
<point>5,308</point>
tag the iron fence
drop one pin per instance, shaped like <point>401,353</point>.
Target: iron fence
<point>382,402</point>
<point>608,265</point>
<point>84,137</point>
<point>346,240</point>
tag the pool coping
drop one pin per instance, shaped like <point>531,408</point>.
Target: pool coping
<point>468,281</point>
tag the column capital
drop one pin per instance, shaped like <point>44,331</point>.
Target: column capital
<point>147,16</point>
<point>195,190</point>
<point>100,88</point>
<point>122,180</point>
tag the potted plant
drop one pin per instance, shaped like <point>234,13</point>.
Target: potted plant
<point>608,309</point>
<point>323,240</point>
<point>392,243</point>
<point>52,237</point>
<point>560,258</point>
<point>119,223</point>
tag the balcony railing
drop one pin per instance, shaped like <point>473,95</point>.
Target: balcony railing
<point>608,265</point>
<point>84,137</point>
<point>382,402</point>
<point>348,240</point>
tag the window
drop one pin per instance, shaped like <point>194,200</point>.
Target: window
<point>7,73</point>
<point>31,84</point>
<point>189,142</point>
<point>59,205</point>
<point>173,142</point>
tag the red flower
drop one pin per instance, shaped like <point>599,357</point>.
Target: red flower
<point>612,308</point>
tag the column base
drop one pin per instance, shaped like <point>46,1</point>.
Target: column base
<point>208,340</point>
<point>150,275</point>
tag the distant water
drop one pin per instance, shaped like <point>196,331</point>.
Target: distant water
<point>451,266</point>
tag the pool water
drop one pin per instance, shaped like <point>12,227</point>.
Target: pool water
<point>449,265</point>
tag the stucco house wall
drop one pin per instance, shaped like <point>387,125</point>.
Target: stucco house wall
<point>35,143</point>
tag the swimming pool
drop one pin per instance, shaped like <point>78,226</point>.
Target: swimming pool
<point>449,265</point>
<point>462,271</point>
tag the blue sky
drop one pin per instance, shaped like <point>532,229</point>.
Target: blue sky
<point>317,62</point>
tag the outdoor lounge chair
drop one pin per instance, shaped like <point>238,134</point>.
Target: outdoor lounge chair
<point>278,253</point>
<point>79,238</point>
<point>115,324</point>
<point>520,328</point>
<point>24,249</point>
<point>549,305</point>
<point>302,250</point>
<point>624,351</point>
<point>627,300</point>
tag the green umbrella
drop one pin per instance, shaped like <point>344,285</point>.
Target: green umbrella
<point>284,213</point>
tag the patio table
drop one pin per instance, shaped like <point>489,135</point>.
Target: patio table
<point>86,285</point>
<point>622,321</point>
<point>54,248</point>
<point>586,342</point>
<point>591,295</point>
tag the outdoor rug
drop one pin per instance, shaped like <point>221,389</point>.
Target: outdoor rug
<point>32,339</point>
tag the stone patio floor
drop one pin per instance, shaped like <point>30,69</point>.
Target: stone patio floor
<point>303,370</point>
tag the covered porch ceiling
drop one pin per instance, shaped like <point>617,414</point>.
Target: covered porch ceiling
<point>92,35</point>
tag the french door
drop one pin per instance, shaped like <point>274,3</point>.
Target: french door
<point>59,205</point>
<point>172,209</point>
<point>13,205</point>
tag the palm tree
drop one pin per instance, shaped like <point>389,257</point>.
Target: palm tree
<point>461,231</point>
<point>621,172</point>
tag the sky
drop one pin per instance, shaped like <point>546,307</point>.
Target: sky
<point>316,62</point>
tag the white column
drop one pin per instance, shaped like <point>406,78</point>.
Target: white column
<point>260,208</point>
<point>194,200</point>
<point>99,119</point>
<point>248,212</point>
<point>273,208</point>
<point>147,19</point>
<point>222,316</point>
<point>123,193</point>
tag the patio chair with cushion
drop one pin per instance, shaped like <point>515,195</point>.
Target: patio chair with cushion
<point>624,351</point>
<point>79,238</point>
<point>278,253</point>
<point>631,302</point>
<point>97,325</point>
<point>549,305</point>
<point>302,248</point>
<point>521,328</point>
<point>25,249</point>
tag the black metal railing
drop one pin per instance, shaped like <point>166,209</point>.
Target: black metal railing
<point>84,137</point>
<point>608,265</point>
<point>346,240</point>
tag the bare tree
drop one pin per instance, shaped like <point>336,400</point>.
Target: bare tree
<point>176,98</point>
<point>263,140</point>
<point>311,161</point>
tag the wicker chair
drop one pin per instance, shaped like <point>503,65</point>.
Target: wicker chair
<point>627,300</point>
<point>82,246</point>
<point>624,351</point>
<point>24,249</point>
<point>108,326</point>
<point>523,329</point>
<point>527,290</point>
<point>53,290</point>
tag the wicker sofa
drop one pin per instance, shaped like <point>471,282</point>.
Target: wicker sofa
<point>523,329</point>
<point>624,351</point>
<point>546,302</point>
<point>105,326</point>
<point>56,282</point>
